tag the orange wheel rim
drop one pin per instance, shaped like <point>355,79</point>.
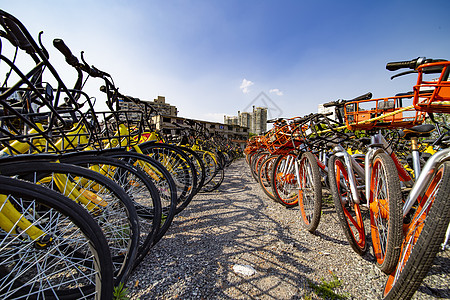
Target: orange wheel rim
<point>414,229</point>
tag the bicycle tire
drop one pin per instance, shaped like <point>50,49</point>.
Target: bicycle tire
<point>265,173</point>
<point>137,184</point>
<point>118,218</point>
<point>162,180</point>
<point>256,163</point>
<point>349,213</point>
<point>209,161</point>
<point>180,168</point>
<point>78,249</point>
<point>215,182</point>
<point>199,167</point>
<point>310,192</point>
<point>385,202</point>
<point>284,181</point>
<point>423,238</point>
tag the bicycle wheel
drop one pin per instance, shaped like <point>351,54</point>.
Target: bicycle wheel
<point>348,212</point>
<point>385,212</point>
<point>211,167</point>
<point>69,260</point>
<point>179,166</point>
<point>265,175</point>
<point>424,236</point>
<point>162,180</point>
<point>136,183</point>
<point>215,182</point>
<point>199,167</point>
<point>284,181</point>
<point>256,163</point>
<point>107,202</point>
<point>310,192</point>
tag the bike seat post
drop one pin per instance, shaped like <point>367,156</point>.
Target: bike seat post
<point>415,155</point>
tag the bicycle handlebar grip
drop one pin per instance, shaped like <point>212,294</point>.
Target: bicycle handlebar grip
<point>407,64</point>
<point>366,96</point>
<point>330,104</point>
<point>62,47</point>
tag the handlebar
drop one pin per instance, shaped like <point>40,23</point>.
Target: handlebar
<point>73,60</point>
<point>341,102</point>
<point>411,64</point>
<point>274,120</point>
<point>407,64</point>
<point>62,47</point>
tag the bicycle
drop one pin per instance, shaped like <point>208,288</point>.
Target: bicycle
<point>426,209</point>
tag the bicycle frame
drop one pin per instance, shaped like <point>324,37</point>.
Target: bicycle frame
<point>424,177</point>
<point>352,165</point>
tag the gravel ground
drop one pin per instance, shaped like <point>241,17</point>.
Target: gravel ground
<point>239,225</point>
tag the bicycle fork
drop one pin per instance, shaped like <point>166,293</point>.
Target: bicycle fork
<point>352,167</point>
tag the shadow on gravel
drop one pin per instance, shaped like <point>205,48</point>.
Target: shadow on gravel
<point>216,231</point>
<point>331,239</point>
<point>239,225</point>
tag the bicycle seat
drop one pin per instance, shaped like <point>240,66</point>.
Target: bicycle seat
<point>423,130</point>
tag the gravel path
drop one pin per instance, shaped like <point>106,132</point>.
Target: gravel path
<point>239,225</point>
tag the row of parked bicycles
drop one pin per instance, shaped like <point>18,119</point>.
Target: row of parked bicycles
<point>387,158</point>
<point>84,194</point>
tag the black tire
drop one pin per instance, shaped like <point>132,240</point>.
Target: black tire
<point>116,216</point>
<point>256,163</point>
<point>264,175</point>
<point>179,166</point>
<point>30,270</point>
<point>199,167</point>
<point>136,183</point>
<point>423,239</point>
<point>211,166</point>
<point>385,202</point>
<point>348,212</point>
<point>215,182</point>
<point>163,182</point>
<point>310,193</point>
<point>284,181</point>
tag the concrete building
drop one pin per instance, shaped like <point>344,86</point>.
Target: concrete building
<point>230,120</point>
<point>245,119</point>
<point>166,125</point>
<point>259,120</point>
<point>159,105</point>
<point>255,121</point>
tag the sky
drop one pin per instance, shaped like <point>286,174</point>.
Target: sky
<point>214,58</point>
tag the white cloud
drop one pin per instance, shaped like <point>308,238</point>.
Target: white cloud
<point>245,85</point>
<point>276,92</point>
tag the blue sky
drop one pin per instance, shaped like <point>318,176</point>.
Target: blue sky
<point>211,58</point>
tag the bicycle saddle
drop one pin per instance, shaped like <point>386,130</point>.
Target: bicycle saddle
<point>423,130</point>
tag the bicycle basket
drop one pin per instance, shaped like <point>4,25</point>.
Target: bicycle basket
<point>121,128</point>
<point>433,95</point>
<point>391,112</point>
<point>284,138</point>
<point>46,132</point>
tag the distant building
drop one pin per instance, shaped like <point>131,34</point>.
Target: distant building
<point>255,121</point>
<point>159,105</point>
<point>230,120</point>
<point>245,119</point>
<point>166,124</point>
<point>259,120</point>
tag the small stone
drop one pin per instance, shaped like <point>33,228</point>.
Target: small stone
<point>245,270</point>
